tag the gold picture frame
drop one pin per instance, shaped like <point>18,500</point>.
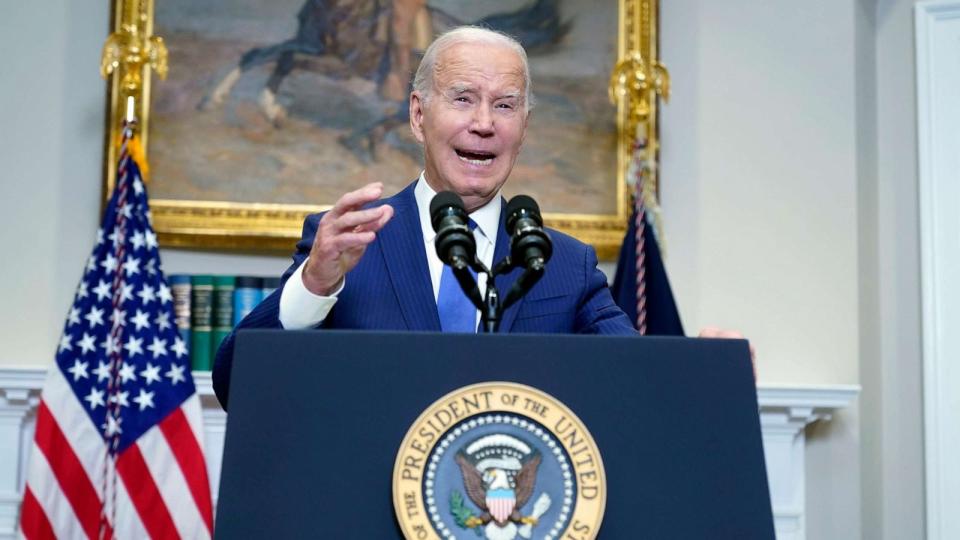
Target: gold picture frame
<point>275,227</point>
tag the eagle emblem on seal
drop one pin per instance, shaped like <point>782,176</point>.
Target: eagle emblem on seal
<point>499,476</point>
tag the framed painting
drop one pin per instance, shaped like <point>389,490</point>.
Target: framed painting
<point>274,108</point>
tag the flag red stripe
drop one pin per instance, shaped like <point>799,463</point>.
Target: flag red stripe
<point>189,456</point>
<point>33,521</point>
<point>144,494</point>
<point>70,475</point>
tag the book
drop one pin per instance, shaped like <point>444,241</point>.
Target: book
<point>223,290</point>
<point>201,321</point>
<point>180,288</point>
<point>246,296</point>
<point>270,284</point>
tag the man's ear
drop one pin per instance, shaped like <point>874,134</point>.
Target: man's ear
<point>416,115</point>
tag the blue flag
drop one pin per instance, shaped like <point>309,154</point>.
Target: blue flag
<point>663,319</point>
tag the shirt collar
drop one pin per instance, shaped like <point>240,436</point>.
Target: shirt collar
<point>487,217</point>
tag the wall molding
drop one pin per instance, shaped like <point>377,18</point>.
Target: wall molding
<point>785,410</point>
<point>937,25</point>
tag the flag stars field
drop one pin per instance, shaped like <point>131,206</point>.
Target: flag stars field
<point>112,426</point>
<point>144,400</point>
<point>162,321</point>
<point>150,374</point>
<point>134,346</point>
<point>164,294</point>
<point>138,240</point>
<point>131,266</point>
<point>158,347</point>
<point>114,237</point>
<point>141,320</point>
<point>175,374</point>
<point>151,239</point>
<point>147,294</point>
<point>110,345</point>
<point>126,293</point>
<point>95,398</point>
<point>118,318</point>
<point>79,370</point>
<point>109,264</point>
<point>102,290</point>
<point>179,347</point>
<point>87,343</point>
<point>121,398</point>
<point>127,374</point>
<point>94,317</point>
<point>102,372</point>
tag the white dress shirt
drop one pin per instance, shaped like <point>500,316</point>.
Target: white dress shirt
<point>300,308</point>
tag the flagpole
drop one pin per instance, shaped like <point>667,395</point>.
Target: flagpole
<point>130,117</point>
<point>638,83</point>
<point>129,54</point>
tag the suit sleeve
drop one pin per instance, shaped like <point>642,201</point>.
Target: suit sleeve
<point>265,315</point>
<point>597,313</point>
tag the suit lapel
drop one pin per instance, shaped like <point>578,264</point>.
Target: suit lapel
<point>505,281</point>
<point>402,247</point>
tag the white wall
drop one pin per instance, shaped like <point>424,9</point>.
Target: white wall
<point>759,178</point>
<point>51,140</point>
<point>760,195</point>
<point>789,190</point>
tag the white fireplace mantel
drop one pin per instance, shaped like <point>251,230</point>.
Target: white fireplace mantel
<point>785,411</point>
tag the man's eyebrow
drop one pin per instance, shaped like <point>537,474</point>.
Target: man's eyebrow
<point>510,95</point>
<point>460,88</point>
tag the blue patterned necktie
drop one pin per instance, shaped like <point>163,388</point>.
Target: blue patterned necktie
<point>457,313</point>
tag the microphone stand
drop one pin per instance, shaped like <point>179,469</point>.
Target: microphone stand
<point>490,306</point>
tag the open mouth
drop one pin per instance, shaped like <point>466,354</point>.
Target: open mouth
<point>475,157</point>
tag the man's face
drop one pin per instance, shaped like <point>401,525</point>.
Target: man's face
<point>473,124</point>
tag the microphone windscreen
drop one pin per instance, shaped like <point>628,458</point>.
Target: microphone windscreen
<point>519,206</point>
<point>443,200</point>
<point>523,202</point>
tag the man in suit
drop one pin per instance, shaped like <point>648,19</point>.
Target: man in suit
<point>371,264</point>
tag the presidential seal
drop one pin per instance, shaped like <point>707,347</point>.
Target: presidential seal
<point>499,461</point>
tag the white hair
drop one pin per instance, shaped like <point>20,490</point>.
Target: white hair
<point>423,79</point>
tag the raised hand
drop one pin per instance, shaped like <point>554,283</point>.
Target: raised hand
<point>344,233</point>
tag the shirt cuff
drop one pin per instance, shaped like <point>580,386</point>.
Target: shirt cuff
<point>300,308</point>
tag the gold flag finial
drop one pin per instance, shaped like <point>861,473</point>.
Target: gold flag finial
<point>130,51</point>
<point>638,83</point>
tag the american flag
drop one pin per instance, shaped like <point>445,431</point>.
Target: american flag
<point>118,446</point>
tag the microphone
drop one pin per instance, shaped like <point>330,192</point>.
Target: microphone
<point>530,245</point>
<point>455,243</point>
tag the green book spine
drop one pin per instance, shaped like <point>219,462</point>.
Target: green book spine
<point>223,287</point>
<point>201,321</point>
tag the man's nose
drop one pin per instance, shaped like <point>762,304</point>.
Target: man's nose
<point>482,121</point>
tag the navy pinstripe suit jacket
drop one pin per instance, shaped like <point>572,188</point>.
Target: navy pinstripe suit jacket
<point>390,289</point>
